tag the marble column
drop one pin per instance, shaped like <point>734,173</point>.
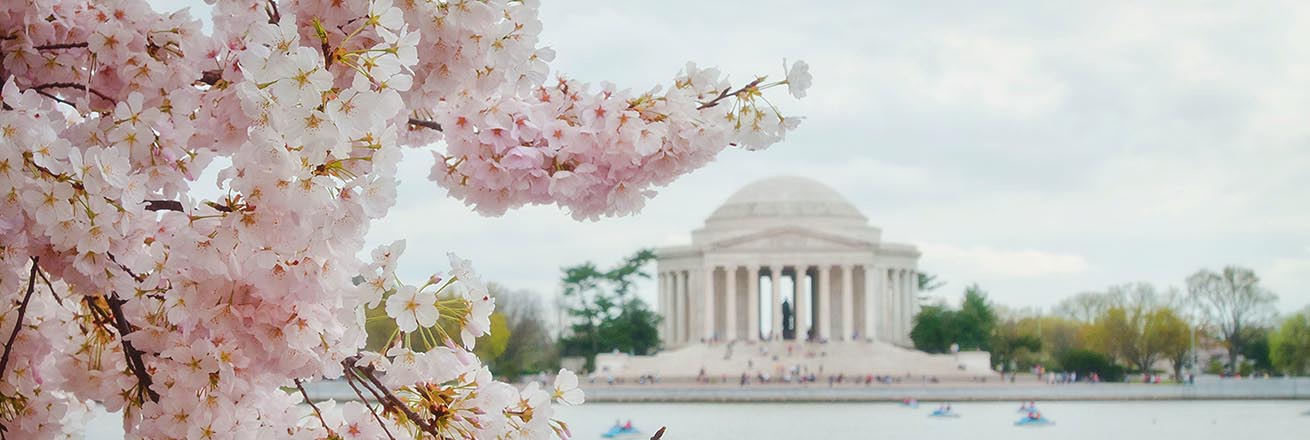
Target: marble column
<point>753,303</point>
<point>802,306</point>
<point>824,304</point>
<point>900,303</point>
<point>911,280</point>
<point>848,303</point>
<point>730,303</point>
<point>663,302</point>
<point>870,303</point>
<point>775,275</point>
<point>892,307</point>
<point>708,313</point>
<point>679,306</point>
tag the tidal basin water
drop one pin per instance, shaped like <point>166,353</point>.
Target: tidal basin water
<point>1113,420</point>
<point>1117,420</point>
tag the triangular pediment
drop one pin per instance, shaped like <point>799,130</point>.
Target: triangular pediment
<point>791,238</point>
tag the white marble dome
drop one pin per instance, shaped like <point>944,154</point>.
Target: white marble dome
<point>782,201</point>
<point>785,196</point>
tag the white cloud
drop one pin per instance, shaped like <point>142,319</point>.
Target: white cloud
<point>1150,139</point>
<point>989,263</point>
<point>1289,278</point>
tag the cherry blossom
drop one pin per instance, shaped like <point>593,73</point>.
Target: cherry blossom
<point>192,317</point>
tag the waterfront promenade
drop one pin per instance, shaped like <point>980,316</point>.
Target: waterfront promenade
<point>1205,388</point>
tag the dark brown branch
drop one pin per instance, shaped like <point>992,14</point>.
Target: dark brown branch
<point>22,311</point>
<point>425,124</point>
<point>60,46</point>
<point>133,355</point>
<point>726,93</point>
<point>69,85</point>
<point>351,381</point>
<point>273,15</point>
<point>125,269</point>
<point>301,387</point>
<point>47,284</point>
<point>174,205</point>
<point>388,399</point>
<point>56,98</point>
<point>163,205</point>
<point>211,77</point>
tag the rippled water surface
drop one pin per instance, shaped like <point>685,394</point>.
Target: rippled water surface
<point>1155,420</point>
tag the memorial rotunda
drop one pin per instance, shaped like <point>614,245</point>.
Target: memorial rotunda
<point>797,247</point>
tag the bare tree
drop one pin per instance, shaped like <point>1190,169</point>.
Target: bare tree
<point>1230,301</point>
<point>1086,306</point>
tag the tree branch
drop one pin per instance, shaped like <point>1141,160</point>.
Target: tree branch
<point>726,93</point>
<point>425,124</point>
<point>60,46</point>
<point>69,85</point>
<point>133,355</point>
<point>301,387</point>
<point>351,381</point>
<point>22,311</point>
<point>273,15</point>
<point>211,77</point>
<point>388,399</point>
<point>47,284</point>
<point>163,205</point>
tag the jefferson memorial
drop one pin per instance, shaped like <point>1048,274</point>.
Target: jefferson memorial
<point>788,277</point>
<point>843,282</point>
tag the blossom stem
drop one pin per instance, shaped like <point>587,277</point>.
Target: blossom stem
<point>728,92</point>
<point>18,325</point>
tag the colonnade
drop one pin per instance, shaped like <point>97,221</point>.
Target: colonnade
<point>828,301</point>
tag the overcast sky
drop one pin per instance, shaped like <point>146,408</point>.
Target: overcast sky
<point>1037,148</point>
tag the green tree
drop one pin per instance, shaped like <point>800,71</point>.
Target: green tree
<point>976,320</point>
<point>1168,332</point>
<point>934,329</point>
<point>1256,349</point>
<point>1231,301</point>
<point>1085,362</point>
<point>929,282</point>
<point>1289,345</point>
<point>532,349</point>
<point>1010,342</point>
<point>605,315</point>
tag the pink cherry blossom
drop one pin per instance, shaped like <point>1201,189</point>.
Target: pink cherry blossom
<point>192,316</point>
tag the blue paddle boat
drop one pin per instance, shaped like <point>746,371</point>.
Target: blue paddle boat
<point>1034,419</point>
<point>944,413</point>
<point>622,432</point>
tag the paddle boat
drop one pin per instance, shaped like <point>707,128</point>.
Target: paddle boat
<point>944,412</point>
<point>1034,419</point>
<point>624,431</point>
<point>910,403</point>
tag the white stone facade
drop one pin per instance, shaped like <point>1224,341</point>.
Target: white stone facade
<point>846,284</point>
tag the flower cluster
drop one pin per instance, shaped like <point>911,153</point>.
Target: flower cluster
<point>194,317</point>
